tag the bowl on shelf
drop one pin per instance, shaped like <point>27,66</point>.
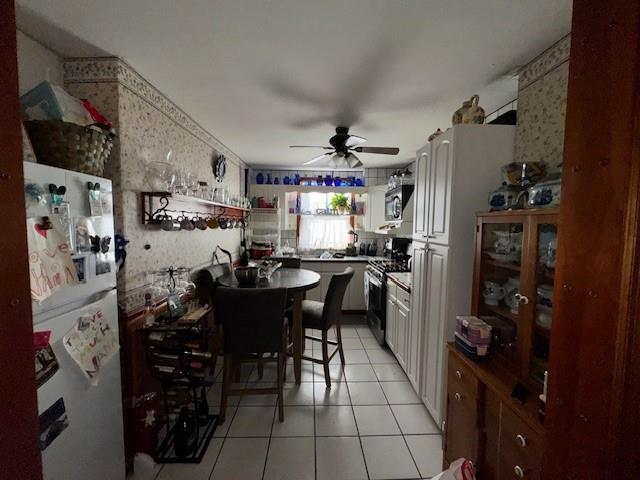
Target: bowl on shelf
<point>513,257</point>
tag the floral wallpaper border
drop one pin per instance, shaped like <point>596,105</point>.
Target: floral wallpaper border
<point>552,57</point>
<point>113,69</point>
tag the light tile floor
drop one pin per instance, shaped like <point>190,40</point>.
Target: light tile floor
<point>369,425</point>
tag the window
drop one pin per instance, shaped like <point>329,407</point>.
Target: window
<point>324,231</point>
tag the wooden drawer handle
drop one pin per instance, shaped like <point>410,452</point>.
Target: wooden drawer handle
<point>521,440</point>
<point>458,374</point>
<point>457,396</point>
<point>519,471</point>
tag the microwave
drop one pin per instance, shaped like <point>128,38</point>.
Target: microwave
<point>397,203</point>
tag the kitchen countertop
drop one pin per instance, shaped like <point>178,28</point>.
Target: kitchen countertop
<point>402,279</point>
<point>359,258</point>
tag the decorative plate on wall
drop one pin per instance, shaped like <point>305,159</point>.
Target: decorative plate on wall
<point>220,168</point>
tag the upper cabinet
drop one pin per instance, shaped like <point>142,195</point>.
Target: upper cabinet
<point>454,175</point>
<point>421,206</point>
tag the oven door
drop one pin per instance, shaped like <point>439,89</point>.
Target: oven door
<point>376,306</point>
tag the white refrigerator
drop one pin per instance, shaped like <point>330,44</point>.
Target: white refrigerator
<point>91,444</point>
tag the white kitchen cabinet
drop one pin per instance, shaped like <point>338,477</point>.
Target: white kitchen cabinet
<point>374,208</point>
<point>434,338</point>
<point>454,174</point>
<point>353,297</point>
<point>420,193</point>
<point>355,294</point>
<point>390,330</point>
<point>416,319</point>
<point>402,326</point>
<point>440,176</point>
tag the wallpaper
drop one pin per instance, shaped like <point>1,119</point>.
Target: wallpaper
<point>148,125</point>
<point>542,98</point>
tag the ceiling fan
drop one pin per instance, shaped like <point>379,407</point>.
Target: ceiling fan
<point>343,147</point>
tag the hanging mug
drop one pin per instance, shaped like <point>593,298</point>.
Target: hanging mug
<point>223,223</point>
<point>186,223</point>
<point>169,224</point>
<point>200,223</point>
<point>212,222</point>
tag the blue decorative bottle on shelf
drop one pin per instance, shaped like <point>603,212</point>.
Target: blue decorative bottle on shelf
<point>296,179</point>
<point>328,180</point>
<point>269,182</point>
<point>260,178</point>
<point>276,181</point>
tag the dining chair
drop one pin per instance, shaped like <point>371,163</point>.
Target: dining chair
<point>205,280</point>
<point>324,315</point>
<point>253,322</point>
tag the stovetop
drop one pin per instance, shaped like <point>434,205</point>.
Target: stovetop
<point>388,265</point>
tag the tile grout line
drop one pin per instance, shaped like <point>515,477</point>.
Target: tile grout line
<point>353,412</point>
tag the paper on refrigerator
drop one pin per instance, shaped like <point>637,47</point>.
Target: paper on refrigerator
<point>51,266</point>
<point>91,343</point>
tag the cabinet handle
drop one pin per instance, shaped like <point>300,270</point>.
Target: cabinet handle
<point>459,374</point>
<point>457,396</point>
<point>521,298</point>
<point>522,440</point>
<point>519,471</point>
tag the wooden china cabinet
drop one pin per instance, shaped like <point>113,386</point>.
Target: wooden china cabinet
<point>512,290</point>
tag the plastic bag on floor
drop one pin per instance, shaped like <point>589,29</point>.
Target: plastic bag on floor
<point>461,469</point>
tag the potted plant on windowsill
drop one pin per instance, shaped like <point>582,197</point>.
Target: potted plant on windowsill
<point>340,202</point>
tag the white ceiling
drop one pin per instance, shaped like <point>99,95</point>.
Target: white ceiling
<point>263,74</point>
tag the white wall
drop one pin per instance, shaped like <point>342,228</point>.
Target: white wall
<point>36,63</point>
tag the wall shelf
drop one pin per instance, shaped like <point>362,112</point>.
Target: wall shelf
<point>311,188</point>
<point>156,204</point>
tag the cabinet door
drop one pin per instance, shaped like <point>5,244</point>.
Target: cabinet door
<point>356,289</point>
<point>440,185</point>
<point>374,211</point>
<point>461,436</point>
<point>435,322</point>
<point>391,330</point>
<point>402,321</point>
<point>416,318</point>
<point>421,204</point>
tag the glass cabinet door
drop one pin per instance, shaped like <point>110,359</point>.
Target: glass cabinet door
<point>547,242</point>
<point>502,248</point>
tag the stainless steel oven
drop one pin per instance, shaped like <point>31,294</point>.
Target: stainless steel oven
<point>376,299</point>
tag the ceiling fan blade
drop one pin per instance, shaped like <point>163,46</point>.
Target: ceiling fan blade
<point>382,150</point>
<point>310,146</point>
<point>319,157</point>
<point>354,141</point>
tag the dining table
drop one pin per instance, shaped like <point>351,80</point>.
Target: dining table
<point>297,281</point>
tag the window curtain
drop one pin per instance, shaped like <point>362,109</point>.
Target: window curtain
<point>324,231</point>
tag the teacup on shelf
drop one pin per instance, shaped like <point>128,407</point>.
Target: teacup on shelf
<point>493,292</point>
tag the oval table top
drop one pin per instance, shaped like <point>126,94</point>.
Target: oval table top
<point>293,279</point>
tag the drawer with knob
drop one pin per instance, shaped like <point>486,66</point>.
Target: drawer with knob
<point>461,380</point>
<point>520,448</point>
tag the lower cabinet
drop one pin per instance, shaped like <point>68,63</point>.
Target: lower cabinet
<point>398,323</point>
<point>483,424</point>
<point>353,297</point>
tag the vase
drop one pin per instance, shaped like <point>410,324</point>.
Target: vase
<point>269,182</point>
<point>319,180</point>
<point>286,180</point>
<point>336,181</point>
<point>296,179</point>
<point>475,113</point>
<point>276,181</point>
<point>328,180</point>
<point>458,114</point>
<point>260,179</point>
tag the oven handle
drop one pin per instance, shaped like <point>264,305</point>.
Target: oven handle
<point>373,280</point>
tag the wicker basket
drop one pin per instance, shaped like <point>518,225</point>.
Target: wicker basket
<point>70,146</point>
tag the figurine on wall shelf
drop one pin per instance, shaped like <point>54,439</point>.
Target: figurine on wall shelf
<point>434,135</point>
